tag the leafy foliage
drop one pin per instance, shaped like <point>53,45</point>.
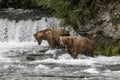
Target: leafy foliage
<point>73,12</point>
<point>107,47</point>
<point>17,3</point>
<point>76,12</point>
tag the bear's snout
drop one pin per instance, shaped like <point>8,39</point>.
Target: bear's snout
<point>39,42</point>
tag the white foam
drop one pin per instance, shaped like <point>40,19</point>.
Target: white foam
<point>42,68</point>
<point>107,60</point>
<point>4,59</point>
<point>6,66</point>
<point>12,44</point>
<point>57,69</point>
<point>63,59</point>
<point>111,73</point>
<point>91,70</point>
<point>65,56</point>
<point>44,43</point>
<point>50,51</point>
<point>93,62</point>
<point>66,61</point>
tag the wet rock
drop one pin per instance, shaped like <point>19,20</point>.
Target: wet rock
<point>107,22</point>
<point>38,56</point>
<point>113,67</point>
<point>22,14</point>
<point>44,55</point>
<point>30,58</point>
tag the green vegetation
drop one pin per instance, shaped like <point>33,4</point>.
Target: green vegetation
<point>107,47</point>
<point>72,12</point>
<point>17,3</point>
<point>76,12</point>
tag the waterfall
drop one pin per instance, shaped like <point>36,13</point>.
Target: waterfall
<point>23,30</point>
<point>19,25</point>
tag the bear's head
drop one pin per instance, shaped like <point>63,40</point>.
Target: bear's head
<point>38,36</point>
<point>64,40</point>
<point>67,40</point>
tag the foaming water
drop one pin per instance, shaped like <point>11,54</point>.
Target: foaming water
<point>68,60</point>
<point>62,59</point>
<point>12,57</point>
<point>23,30</point>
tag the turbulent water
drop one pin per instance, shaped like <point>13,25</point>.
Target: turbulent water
<point>15,66</point>
<point>17,43</point>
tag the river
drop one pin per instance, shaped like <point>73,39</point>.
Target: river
<point>17,43</point>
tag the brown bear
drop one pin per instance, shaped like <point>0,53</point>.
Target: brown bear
<point>77,45</point>
<point>51,35</point>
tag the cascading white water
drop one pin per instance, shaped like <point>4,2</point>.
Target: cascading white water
<point>23,30</point>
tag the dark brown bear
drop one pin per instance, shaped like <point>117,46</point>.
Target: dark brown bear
<point>77,45</point>
<point>51,35</point>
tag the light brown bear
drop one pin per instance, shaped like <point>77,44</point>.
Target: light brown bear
<point>51,35</point>
<point>77,45</point>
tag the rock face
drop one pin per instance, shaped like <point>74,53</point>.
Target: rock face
<point>106,23</point>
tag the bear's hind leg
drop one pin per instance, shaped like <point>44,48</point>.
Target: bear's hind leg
<point>74,54</point>
<point>89,53</point>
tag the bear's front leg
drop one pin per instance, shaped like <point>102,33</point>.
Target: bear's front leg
<point>52,44</point>
<point>89,53</point>
<point>74,53</point>
<point>68,49</point>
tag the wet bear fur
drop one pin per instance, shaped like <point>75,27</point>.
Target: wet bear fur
<point>51,36</point>
<point>77,45</point>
